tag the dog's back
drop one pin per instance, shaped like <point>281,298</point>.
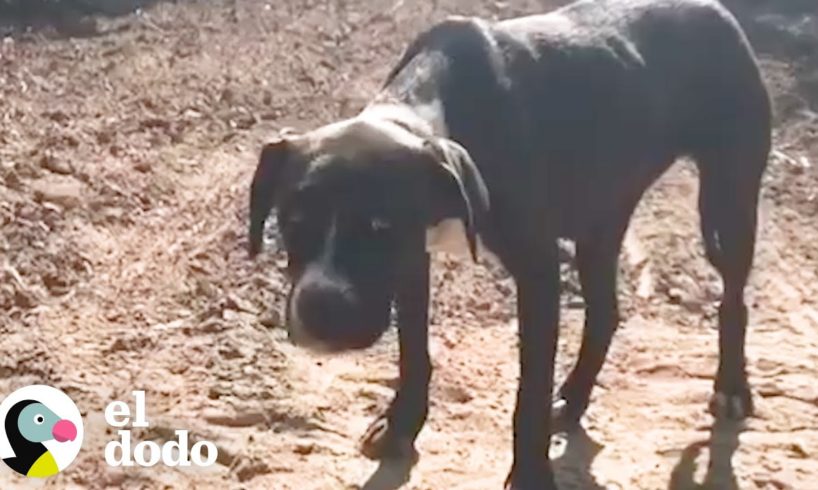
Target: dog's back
<point>689,59</point>
<point>596,98</point>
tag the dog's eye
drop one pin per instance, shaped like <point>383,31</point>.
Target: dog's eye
<point>39,419</point>
<point>379,225</point>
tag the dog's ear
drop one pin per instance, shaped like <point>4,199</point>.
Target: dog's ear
<point>266,180</point>
<point>463,182</point>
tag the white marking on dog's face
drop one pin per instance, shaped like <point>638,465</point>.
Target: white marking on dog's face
<point>297,333</point>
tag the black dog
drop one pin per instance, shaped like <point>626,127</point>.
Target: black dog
<point>524,131</point>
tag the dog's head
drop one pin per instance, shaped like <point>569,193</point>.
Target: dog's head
<point>354,200</point>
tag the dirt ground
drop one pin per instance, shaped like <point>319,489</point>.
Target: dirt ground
<point>126,148</point>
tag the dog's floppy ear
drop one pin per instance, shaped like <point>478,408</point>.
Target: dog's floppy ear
<point>266,181</point>
<point>472,194</point>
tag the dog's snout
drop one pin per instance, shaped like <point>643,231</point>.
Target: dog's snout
<point>323,306</point>
<point>328,313</point>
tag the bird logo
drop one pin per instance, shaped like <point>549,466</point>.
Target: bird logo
<point>41,431</point>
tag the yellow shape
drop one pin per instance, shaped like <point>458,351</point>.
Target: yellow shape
<point>44,466</point>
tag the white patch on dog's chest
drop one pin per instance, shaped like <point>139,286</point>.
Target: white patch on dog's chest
<point>433,113</point>
<point>449,236</point>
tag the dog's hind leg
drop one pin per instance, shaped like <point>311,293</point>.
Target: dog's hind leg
<point>728,206</point>
<point>596,258</point>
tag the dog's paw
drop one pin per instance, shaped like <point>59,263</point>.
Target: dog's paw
<point>379,443</point>
<point>734,406</point>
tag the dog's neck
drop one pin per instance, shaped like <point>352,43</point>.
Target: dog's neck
<point>425,120</point>
<point>412,99</point>
<point>425,117</point>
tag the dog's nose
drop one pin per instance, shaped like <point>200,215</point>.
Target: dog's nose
<point>323,309</point>
<point>323,305</point>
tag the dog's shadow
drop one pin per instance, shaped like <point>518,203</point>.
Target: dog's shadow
<point>390,475</point>
<point>723,443</point>
<point>572,467</point>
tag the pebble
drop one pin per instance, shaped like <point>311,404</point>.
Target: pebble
<point>235,419</point>
<point>50,162</point>
<point>66,193</point>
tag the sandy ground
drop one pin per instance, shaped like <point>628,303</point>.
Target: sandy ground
<point>126,148</point>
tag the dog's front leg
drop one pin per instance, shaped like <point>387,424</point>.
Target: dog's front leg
<point>538,313</point>
<point>393,434</point>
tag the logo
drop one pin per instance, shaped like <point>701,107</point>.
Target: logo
<point>40,431</point>
<point>124,452</point>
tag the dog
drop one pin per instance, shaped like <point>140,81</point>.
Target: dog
<point>504,137</point>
